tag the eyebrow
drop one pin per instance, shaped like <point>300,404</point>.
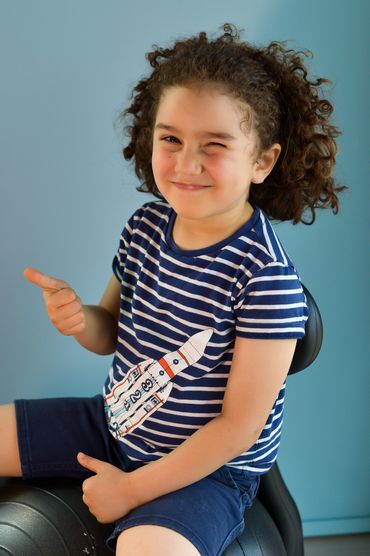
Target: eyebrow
<point>210,134</point>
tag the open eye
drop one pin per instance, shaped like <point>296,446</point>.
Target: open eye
<point>170,139</point>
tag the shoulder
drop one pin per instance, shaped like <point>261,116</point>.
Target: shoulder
<point>151,215</point>
<point>271,266</point>
<point>265,239</point>
<point>153,212</point>
<point>269,300</point>
<point>257,248</point>
<point>144,228</point>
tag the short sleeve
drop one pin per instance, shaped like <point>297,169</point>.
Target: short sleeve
<point>272,304</point>
<point>119,259</point>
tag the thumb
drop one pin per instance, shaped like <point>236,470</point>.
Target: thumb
<point>90,463</point>
<point>43,281</point>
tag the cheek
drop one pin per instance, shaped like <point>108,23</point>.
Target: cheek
<point>219,165</point>
<point>231,166</point>
<point>161,162</point>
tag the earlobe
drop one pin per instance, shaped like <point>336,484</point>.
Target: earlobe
<point>265,163</point>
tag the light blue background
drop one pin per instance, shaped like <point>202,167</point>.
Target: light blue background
<point>66,70</point>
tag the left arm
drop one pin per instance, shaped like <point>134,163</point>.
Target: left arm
<point>258,370</point>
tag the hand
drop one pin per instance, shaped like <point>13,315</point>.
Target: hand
<point>63,306</point>
<point>106,494</point>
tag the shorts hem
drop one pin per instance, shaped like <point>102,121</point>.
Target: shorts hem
<point>162,521</point>
<point>23,436</point>
<point>234,533</point>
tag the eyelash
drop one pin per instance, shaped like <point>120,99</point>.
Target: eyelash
<point>170,138</point>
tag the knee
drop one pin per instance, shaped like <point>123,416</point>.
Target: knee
<point>9,454</point>
<point>154,540</point>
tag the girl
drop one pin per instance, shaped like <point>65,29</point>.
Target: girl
<point>204,306</point>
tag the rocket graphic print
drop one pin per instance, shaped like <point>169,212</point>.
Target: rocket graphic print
<point>147,386</point>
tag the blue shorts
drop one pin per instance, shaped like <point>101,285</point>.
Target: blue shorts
<point>210,512</point>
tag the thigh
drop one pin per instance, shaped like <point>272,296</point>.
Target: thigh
<point>153,540</point>
<point>52,431</point>
<point>10,465</point>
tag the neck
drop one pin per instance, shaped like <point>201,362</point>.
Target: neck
<point>191,234</point>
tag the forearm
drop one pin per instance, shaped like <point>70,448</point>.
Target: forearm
<point>100,333</point>
<point>206,450</point>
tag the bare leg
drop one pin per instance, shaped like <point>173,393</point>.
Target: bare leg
<point>154,540</point>
<point>9,454</point>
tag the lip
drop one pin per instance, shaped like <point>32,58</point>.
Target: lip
<point>189,186</point>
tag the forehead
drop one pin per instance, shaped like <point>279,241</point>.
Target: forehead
<point>202,108</point>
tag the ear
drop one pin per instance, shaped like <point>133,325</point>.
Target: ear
<point>265,163</point>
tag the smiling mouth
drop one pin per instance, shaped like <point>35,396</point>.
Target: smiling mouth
<point>189,186</point>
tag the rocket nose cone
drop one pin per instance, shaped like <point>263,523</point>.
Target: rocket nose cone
<point>201,339</point>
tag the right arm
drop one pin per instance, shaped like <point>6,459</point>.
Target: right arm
<point>93,326</point>
<point>101,321</point>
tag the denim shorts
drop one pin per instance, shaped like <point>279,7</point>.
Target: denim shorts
<point>209,512</point>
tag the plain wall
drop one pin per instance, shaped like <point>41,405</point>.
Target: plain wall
<point>67,68</point>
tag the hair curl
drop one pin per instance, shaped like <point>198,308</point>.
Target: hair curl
<point>282,105</point>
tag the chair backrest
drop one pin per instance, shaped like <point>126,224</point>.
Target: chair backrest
<point>309,346</point>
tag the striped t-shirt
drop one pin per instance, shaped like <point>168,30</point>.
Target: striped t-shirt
<point>180,312</point>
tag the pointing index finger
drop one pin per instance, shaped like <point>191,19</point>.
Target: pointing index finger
<point>43,281</point>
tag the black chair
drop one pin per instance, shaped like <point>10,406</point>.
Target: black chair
<point>273,525</point>
<point>47,517</point>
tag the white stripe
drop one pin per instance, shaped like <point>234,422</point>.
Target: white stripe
<point>188,414</point>
<point>268,330</point>
<point>245,467</point>
<point>273,321</point>
<point>274,307</point>
<point>177,402</point>
<point>198,388</point>
<point>275,292</point>
<point>160,433</point>
<point>173,425</point>
<point>273,278</point>
<point>267,237</point>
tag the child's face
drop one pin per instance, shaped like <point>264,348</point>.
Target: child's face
<point>203,162</point>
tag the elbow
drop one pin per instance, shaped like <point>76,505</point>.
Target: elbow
<point>248,439</point>
<point>240,436</point>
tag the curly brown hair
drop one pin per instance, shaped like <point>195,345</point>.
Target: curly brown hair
<point>282,104</point>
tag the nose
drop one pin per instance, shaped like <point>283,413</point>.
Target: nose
<point>188,162</point>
